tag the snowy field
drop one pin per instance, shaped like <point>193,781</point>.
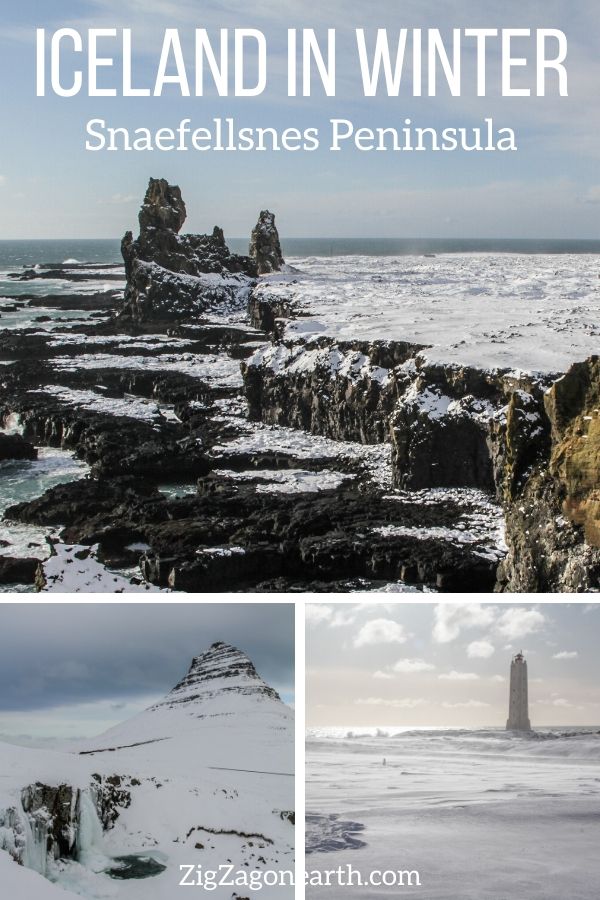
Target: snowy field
<point>534,313</point>
<point>481,815</point>
<point>210,772</point>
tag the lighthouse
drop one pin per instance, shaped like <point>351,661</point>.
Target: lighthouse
<point>518,706</point>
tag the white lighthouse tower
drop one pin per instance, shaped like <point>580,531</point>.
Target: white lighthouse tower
<point>518,704</point>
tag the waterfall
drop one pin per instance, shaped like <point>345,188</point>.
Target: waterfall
<point>35,852</point>
<point>88,842</point>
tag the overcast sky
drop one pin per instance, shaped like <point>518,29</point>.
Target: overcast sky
<point>448,665</point>
<point>70,670</point>
<point>51,187</point>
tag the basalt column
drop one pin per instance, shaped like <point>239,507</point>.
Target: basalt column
<point>518,706</point>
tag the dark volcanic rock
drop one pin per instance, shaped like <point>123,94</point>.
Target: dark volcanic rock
<point>15,570</point>
<point>264,244</point>
<point>53,810</point>
<point>163,206</point>
<point>13,446</point>
<point>173,277</point>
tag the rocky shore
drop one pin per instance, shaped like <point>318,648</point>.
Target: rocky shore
<point>229,448</point>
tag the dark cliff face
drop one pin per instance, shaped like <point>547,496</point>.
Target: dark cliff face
<point>533,442</point>
<point>53,811</point>
<point>165,270</point>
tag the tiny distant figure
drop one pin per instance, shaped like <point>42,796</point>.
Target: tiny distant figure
<point>384,763</point>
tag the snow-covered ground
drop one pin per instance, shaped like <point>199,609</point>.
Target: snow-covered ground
<point>481,815</point>
<point>219,370</point>
<point>210,772</point>
<point>534,313</point>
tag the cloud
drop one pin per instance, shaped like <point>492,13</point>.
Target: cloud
<point>412,665</point>
<point>316,613</point>
<point>382,675</point>
<point>566,654</point>
<point>119,199</point>
<point>404,703</point>
<point>466,704</point>
<point>558,701</point>
<point>381,631</point>
<point>2,180</point>
<point>459,676</point>
<point>344,616</point>
<point>519,621</point>
<point>498,678</point>
<point>480,650</point>
<point>83,653</point>
<point>450,619</point>
<point>593,194</point>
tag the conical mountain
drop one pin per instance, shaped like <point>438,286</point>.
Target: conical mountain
<point>219,707</point>
<point>220,670</point>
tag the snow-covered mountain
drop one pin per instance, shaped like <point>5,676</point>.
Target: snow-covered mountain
<point>204,777</point>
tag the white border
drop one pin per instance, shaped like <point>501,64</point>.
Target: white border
<point>299,600</point>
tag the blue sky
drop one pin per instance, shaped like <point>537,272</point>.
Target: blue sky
<point>448,664</point>
<point>50,186</point>
<point>70,670</point>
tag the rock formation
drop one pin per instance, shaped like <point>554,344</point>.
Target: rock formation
<point>264,244</point>
<point>533,441</point>
<point>172,277</point>
<point>13,446</point>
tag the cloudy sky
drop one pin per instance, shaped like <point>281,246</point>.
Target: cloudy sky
<point>448,665</point>
<point>70,670</point>
<point>51,187</point>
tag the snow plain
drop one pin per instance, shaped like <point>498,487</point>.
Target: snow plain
<point>481,815</point>
<point>531,313</point>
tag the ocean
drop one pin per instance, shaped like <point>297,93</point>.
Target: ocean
<point>29,252</point>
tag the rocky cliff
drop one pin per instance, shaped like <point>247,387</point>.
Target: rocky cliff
<point>172,277</point>
<point>551,486</point>
<point>532,441</point>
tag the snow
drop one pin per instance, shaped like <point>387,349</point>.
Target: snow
<point>481,521</point>
<point>19,883</point>
<point>131,406</point>
<point>289,481</point>
<point>228,550</point>
<point>255,437</point>
<point>75,569</point>
<point>217,369</point>
<point>298,359</point>
<point>214,754</point>
<point>479,814</point>
<point>535,313</point>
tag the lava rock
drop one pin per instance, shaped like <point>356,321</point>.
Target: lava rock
<point>15,570</point>
<point>265,247</point>
<point>13,446</point>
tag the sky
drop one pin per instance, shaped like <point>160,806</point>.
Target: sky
<point>448,664</point>
<point>50,186</point>
<point>74,670</point>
